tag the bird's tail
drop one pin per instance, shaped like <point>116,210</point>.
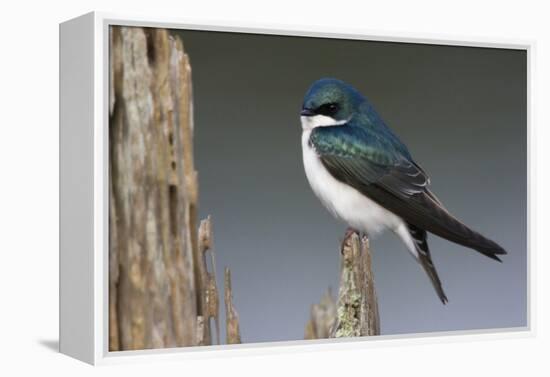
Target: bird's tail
<point>476,241</point>
<point>420,238</point>
<point>450,228</point>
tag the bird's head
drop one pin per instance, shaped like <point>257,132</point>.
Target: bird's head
<point>329,102</point>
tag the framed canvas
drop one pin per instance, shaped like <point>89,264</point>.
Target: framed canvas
<point>247,189</point>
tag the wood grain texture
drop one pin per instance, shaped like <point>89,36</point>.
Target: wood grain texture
<point>160,291</point>
<point>357,306</point>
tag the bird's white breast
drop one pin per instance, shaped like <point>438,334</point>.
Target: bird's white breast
<point>342,200</point>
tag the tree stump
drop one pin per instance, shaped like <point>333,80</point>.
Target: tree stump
<point>160,291</point>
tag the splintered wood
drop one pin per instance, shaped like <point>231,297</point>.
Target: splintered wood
<point>323,317</point>
<point>210,299</point>
<point>233,334</point>
<point>356,311</point>
<point>160,291</point>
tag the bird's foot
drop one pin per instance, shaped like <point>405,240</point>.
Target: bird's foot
<point>350,231</point>
<point>347,237</point>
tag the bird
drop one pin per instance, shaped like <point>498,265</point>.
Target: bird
<point>364,175</point>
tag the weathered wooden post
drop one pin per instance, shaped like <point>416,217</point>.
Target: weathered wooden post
<point>161,293</point>
<point>356,311</point>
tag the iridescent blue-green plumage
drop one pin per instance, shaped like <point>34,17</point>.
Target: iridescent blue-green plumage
<point>358,111</point>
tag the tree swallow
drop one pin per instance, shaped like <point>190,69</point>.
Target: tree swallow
<point>364,175</point>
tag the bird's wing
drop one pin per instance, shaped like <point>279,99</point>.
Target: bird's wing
<point>383,170</point>
<point>363,158</point>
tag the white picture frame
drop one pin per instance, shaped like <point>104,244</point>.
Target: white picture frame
<point>84,186</point>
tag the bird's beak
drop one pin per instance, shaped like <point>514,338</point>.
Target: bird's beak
<point>307,112</point>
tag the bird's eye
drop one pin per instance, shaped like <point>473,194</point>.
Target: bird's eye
<point>328,109</point>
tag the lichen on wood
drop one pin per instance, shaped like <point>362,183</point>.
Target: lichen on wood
<point>357,307</point>
<point>355,312</point>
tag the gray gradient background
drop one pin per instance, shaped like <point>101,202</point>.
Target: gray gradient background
<point>461,111</point>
